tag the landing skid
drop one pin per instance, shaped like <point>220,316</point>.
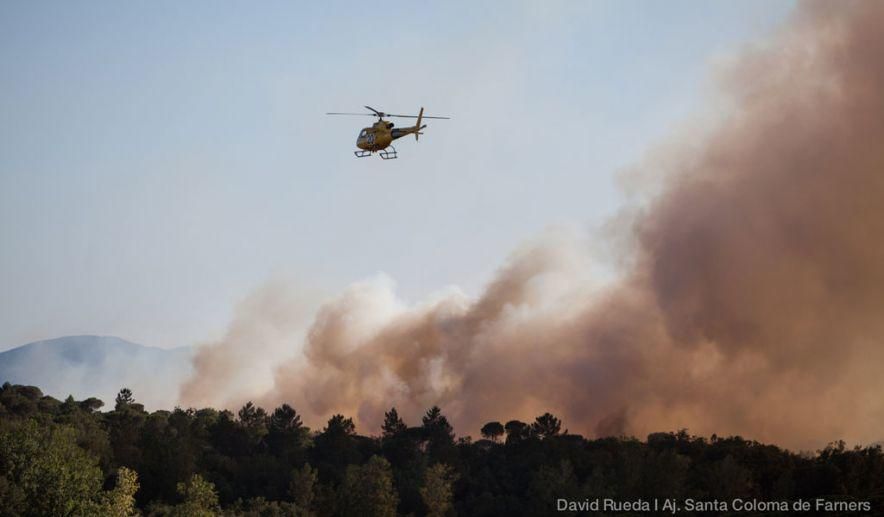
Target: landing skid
<point>389,153</point>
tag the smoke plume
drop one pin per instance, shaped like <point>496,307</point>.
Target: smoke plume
<point>751,302</point>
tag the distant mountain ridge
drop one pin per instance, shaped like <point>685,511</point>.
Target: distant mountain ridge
<point>98,366</point>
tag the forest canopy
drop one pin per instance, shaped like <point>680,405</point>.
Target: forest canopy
<point>71,458</point>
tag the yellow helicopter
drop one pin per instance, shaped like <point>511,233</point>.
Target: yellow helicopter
<point>379,137</point>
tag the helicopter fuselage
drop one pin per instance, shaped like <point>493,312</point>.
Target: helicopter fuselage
<point>380,135</point>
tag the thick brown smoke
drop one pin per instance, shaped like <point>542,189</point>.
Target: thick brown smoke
<point>753,303</point>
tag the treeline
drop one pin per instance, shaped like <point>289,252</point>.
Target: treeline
<point>70,458</point>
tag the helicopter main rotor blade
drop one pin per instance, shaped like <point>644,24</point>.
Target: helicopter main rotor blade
<point>381,114</point>
<point>415,116</point>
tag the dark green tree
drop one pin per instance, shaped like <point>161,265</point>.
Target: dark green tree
<point>302,488</point>
<point>437,491</point>
<point>285,419</point>
<point>393,425</point>
<point>120,501</point>
<point>91,404</point>
<point>254,421</point>
<point>439,436</point>
<point>436,424</point>
<point>516,431</point>
<point>368,490</point>
<point>200,498</point>
<point>492,431</point>
<point>287,436</point>
<point>124,428</point>
<point>545,426</point>
<point>338,425</point>
<point>44,472</point>
<point>402,447</point>
<point>124,400</point>
<point>550,483</point>
<point>336,447</point>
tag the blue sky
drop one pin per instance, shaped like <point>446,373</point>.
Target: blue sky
<point>159,161</point>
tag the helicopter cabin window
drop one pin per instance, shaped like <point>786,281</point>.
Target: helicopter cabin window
<point>363,133</point>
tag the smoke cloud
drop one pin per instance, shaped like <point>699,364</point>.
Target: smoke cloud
<point>750,302</point>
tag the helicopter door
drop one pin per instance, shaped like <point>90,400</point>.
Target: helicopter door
<point>366,136</point>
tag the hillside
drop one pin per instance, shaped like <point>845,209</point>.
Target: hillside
<point>85,366</point>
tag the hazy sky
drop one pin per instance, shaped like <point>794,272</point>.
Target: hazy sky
<point>159,161</point>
